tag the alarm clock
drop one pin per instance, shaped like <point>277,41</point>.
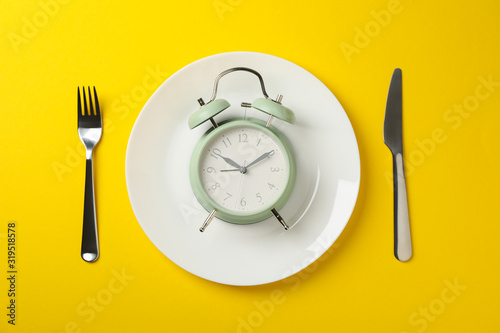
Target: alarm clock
<point>242,170</point>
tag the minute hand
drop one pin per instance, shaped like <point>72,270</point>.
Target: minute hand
<point>260,158</point>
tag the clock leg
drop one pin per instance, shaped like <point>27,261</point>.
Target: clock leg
<point>209,219</point>
<point>280,219</point>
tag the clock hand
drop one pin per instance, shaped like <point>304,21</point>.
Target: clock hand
<point>243,170</point>
<point>230,162</point>
<point>227,170</point>
<point>239,187</point>
<point>260,158</point>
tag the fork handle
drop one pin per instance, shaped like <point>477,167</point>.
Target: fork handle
<point>90,246</point>
<point>402,238</point>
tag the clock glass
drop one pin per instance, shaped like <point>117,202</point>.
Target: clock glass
<point>243,170</point>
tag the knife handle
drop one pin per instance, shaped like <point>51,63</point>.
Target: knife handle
<point>402,238</point>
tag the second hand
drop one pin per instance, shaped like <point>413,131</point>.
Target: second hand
<point>239,186</point>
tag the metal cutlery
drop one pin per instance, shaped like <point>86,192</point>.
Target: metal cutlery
<point>393,138</point>
<point>90,131</point>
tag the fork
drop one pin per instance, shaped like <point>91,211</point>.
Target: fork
<point>90,131</point>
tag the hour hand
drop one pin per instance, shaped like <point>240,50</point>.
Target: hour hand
<point>230,162</point>
<point>261,157</point>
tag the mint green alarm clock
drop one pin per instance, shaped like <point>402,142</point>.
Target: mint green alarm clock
<point>242,170</point>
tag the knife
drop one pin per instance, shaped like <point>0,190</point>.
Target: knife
<point>393,138</point>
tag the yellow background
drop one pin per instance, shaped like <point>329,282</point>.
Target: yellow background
<point>445,49</point>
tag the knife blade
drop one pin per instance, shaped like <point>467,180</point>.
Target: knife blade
<point>393,138</point>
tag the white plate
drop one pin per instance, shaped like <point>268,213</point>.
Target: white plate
<point>328,172</point>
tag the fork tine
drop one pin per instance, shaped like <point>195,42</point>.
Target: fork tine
<point>85,103</point>
<point>91,105</point>
<point>79,101</point>
<point>97,109</point>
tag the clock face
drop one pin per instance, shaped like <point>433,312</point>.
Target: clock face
<point>244,169</point>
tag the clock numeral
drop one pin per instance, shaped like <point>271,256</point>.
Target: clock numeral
<point>259,197</point>
<point>215,153</point>
<point>210,170</point>
<point>215,186</point>
<point>275,169</point>
<point>243,137</point>
<point>271,186</point>
<point>243,203</point>
<point>227,142</point>
<point>229,195</point>
<point>258,143</point>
